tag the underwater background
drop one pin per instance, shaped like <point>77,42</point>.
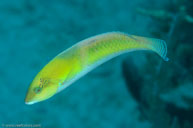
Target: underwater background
<point>134,90</point>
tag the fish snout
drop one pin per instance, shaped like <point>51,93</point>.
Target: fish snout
<point>29,99</point>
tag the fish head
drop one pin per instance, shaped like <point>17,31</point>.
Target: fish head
<point>40,89</point>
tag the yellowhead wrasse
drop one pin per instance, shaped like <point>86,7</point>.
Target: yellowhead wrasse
<point>84,56</point>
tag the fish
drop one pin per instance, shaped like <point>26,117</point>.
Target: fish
<point>76,61</point>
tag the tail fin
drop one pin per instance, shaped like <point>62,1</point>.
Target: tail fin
<point>160,47</point>
<point>156,45</point>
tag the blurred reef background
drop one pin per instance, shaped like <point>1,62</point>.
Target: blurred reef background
<point>135,90</point>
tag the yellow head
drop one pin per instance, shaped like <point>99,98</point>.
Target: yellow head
<point>40,89</point>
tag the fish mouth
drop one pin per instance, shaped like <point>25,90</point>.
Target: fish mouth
<point>30,102</point>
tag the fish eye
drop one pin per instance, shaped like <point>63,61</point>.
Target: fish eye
<point>37,90</point>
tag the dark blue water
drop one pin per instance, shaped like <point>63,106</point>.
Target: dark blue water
<point>135,90</point>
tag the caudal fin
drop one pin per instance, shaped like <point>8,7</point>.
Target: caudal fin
<point>156,45</point>
<point>160,47</point>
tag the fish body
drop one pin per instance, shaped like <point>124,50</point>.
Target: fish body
<point>84,56</point>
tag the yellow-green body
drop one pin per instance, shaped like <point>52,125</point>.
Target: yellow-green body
<point>84,56</point>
